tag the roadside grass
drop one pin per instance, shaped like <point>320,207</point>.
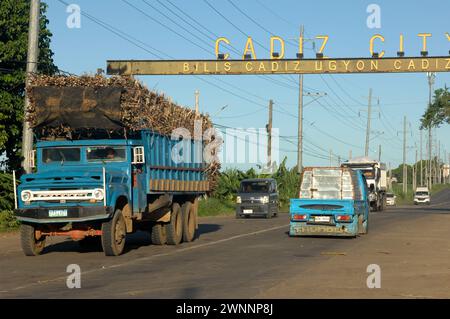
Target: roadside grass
<point>215,207</point>
<point>408,198</point>
<point>8,222</point>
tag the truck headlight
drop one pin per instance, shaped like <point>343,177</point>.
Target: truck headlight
<point>98,194</point>
<point>25,196</point>
<point>265,199</point>
<point>238,200</point>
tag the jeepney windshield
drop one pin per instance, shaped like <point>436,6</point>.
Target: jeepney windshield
<point>324,183</point>
<point>60,154</point>
<point>106,153</point>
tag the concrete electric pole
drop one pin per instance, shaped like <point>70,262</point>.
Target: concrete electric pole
<point>300,117</point>
<point>369,110</point>
<point>197,96</point>
<point>32,66</point>
<point>405,169</point>
<point>421,156</point>
<point>269,137</point>
<point>431,77</point>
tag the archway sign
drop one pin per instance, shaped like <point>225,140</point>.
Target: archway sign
<point>277,64</point>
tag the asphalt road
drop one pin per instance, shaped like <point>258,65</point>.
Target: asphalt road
<point>250,258</point>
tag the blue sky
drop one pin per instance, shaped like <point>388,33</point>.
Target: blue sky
<point>338,119</point>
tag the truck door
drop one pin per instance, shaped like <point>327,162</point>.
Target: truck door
<point>139,185</point>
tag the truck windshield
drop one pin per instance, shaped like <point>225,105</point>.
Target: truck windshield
<point>422,194</point>
<point>322,183</point>
<point>106,153</point>
<point>254,187</point>
<point>60,154</point>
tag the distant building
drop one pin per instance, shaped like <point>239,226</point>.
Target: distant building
<point>446,170</point>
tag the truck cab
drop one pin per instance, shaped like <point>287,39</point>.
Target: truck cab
<point>375,174</point>
<point>332,202</point>
<point>422,196</point>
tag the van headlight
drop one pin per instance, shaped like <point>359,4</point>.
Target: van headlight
<point>238,200</point>
<point>265,199</point>
<point>25,196</point>
<point>98,194</point>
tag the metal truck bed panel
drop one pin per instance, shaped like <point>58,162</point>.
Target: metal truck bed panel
<point>174,165</point>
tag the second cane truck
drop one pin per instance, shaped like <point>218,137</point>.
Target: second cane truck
<point>333,201</point>
<point>96,189</point>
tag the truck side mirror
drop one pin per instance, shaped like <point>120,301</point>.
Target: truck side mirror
<point>138,155</point>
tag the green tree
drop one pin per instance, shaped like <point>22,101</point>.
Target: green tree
<point>438,112</point>
<point>14,19</point>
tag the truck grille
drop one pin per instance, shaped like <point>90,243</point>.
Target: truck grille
<point>61,195</point>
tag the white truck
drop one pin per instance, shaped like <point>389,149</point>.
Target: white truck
<point>376,176</point>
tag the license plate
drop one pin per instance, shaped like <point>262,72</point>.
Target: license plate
<point>57,213</point>
<point>322,219</point>
<point>248,211</point>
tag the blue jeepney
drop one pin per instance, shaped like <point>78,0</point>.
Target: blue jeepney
<point>333,201</point>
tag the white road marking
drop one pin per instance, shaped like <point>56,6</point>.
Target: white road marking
<point>151,257</point>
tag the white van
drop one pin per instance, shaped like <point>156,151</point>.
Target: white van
<point>422,196</point>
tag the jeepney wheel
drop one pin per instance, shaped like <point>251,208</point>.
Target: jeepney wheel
<point>362,228</point>
<point>175,226</point>
<point>188,216</point>
<point>158,234</point>
<point>114,234</point>
<point>31,245</point>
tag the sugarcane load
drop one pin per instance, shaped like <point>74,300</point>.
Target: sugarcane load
<point>113,157</point>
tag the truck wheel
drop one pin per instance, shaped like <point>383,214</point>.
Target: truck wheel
<point>188,221</point>
<point>114,234</point>
<point>175,227</point>
<point>30,245</point>
<point>159,236</point>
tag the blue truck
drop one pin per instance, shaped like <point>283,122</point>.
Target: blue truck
<point>333,201</point>
<point>97,188</point>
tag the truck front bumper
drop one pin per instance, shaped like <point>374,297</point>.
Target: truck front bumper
<point>76,214</point>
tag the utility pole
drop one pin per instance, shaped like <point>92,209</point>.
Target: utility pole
<point>369,110</point>
<point>438,167</point>
<point>350,155</point>
<point>197,95</point>
<point>421,168</point>
<point>32,63</point>
<point>269,136</point>
<point>415,173</point>
<point>431,77</point>
<point>379,153</point>
<point>390,177</point>
<point>300,117</point>
<point>405,170</point>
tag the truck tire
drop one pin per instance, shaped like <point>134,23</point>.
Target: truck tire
<point>175,226</point>
<point>114,234</point>
<point>30,245</point>
<point>158,234</point>
<point>188,214</point>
